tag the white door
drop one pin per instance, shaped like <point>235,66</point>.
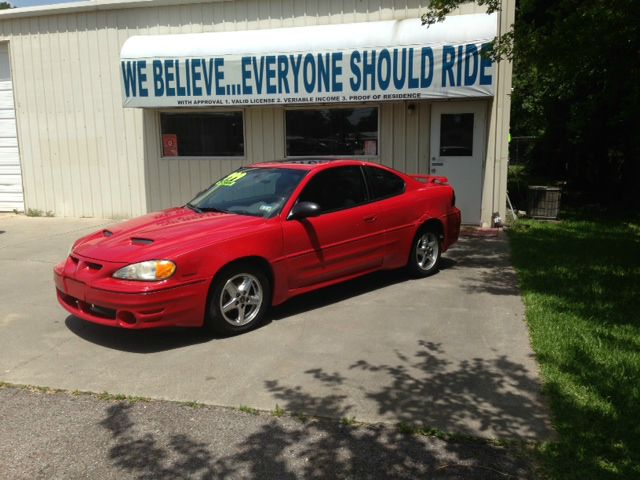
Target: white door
<point>10,175</point>
<point>458,150</point>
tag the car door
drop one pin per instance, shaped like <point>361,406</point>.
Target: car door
<point>338,242</point>
<point>395,217</point>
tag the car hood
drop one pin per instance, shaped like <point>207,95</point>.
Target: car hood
<point>163,234</point>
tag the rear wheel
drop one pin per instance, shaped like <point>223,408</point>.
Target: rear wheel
<point>240,296</point>
<point>426,249</point>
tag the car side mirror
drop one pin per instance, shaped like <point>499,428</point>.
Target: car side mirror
<point>304,210</point>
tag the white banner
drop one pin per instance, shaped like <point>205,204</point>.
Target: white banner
<point>196,70</point>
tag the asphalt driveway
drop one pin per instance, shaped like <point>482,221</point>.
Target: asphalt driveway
<point>450,351</point>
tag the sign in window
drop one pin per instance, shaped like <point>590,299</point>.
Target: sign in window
<point>203,134</point>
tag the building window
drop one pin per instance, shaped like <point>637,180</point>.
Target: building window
<point>456,135</point>
<point>332,132</point>
<point>202,134</point>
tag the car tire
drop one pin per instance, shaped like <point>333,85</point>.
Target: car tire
<point>239,297</point>
<point>426,249</point>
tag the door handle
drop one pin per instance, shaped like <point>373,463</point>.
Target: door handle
<point>370,219</point>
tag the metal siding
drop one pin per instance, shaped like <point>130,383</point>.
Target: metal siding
<point>412,125</point>
<point>386,134</point>
<point>11,196</point>
<point>423,140</point>
<point>399,137</point>
<point>85,155</point>
<point>82,150</point>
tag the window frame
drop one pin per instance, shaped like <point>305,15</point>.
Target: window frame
<point>182,111</point>
<point>330,106</point>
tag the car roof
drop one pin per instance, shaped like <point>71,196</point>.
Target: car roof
<point>308,163</point>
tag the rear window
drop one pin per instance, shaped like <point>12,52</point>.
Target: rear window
<point>383,184</point>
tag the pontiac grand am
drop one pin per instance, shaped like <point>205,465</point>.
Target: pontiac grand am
<point>255,238</point>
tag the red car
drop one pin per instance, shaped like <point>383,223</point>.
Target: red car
<point>256,238</point>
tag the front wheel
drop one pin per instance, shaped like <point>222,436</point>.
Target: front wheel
<point>240,296</point>
<point>426,249</point>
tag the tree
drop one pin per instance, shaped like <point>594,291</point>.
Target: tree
<point>577,87</point>
<point>5,5</point>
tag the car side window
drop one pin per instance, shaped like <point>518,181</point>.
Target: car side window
<point>335,189</point>
<point>383,184</point>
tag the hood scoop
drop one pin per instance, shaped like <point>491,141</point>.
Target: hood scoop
<point>107,233</point>
<point>141,241</point>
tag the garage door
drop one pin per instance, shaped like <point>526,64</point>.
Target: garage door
<point>10,175</point>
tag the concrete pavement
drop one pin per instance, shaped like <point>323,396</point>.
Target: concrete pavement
<point>450,351</point>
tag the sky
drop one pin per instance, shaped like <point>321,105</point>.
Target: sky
<point>31,3</point>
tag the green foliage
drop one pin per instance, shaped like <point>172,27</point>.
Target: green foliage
<point>517,183</point>
<point>439,9</point>
<point>575,87</point>
<point>34,212</point>
<point>121,397</point>
<point>277,412</point>
<point>348,421</point>
<point>501,47</point>
<point>300,416</point>
<point>5,5</point>
<point>580,281</point>
<point>250,410</point>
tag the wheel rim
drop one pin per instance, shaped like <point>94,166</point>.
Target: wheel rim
<point>241,299</point>
<point>427,249</point>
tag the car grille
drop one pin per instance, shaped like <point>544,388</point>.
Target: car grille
<point>90,308</point>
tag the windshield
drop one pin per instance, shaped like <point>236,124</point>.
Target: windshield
<point>260,192</point>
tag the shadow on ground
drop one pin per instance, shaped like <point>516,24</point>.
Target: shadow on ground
<point>136,341</point>
<point>422,388</point>
<point>490,256</point>
<point>157,340</point>
<point>496,397</point>
<point>315,449</point>
<point>343,291</point>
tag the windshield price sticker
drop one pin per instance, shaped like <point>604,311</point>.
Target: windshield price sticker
<point>230,179</point>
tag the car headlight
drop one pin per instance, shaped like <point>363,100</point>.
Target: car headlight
<point>151,270</point>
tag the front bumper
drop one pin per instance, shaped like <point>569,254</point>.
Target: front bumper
<point>134,305</point>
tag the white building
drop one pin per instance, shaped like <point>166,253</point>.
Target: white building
<point>107,108</point>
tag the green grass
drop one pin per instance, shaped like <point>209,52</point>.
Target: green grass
<point>250,410</point>
<point>348,421</point>
<point>121,397</point>
<point>277,412</point>
<point>580,280</point>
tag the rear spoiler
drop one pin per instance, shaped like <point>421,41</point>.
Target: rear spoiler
<point>431,179</point>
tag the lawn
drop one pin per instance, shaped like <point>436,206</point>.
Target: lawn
<point>580,280</point>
